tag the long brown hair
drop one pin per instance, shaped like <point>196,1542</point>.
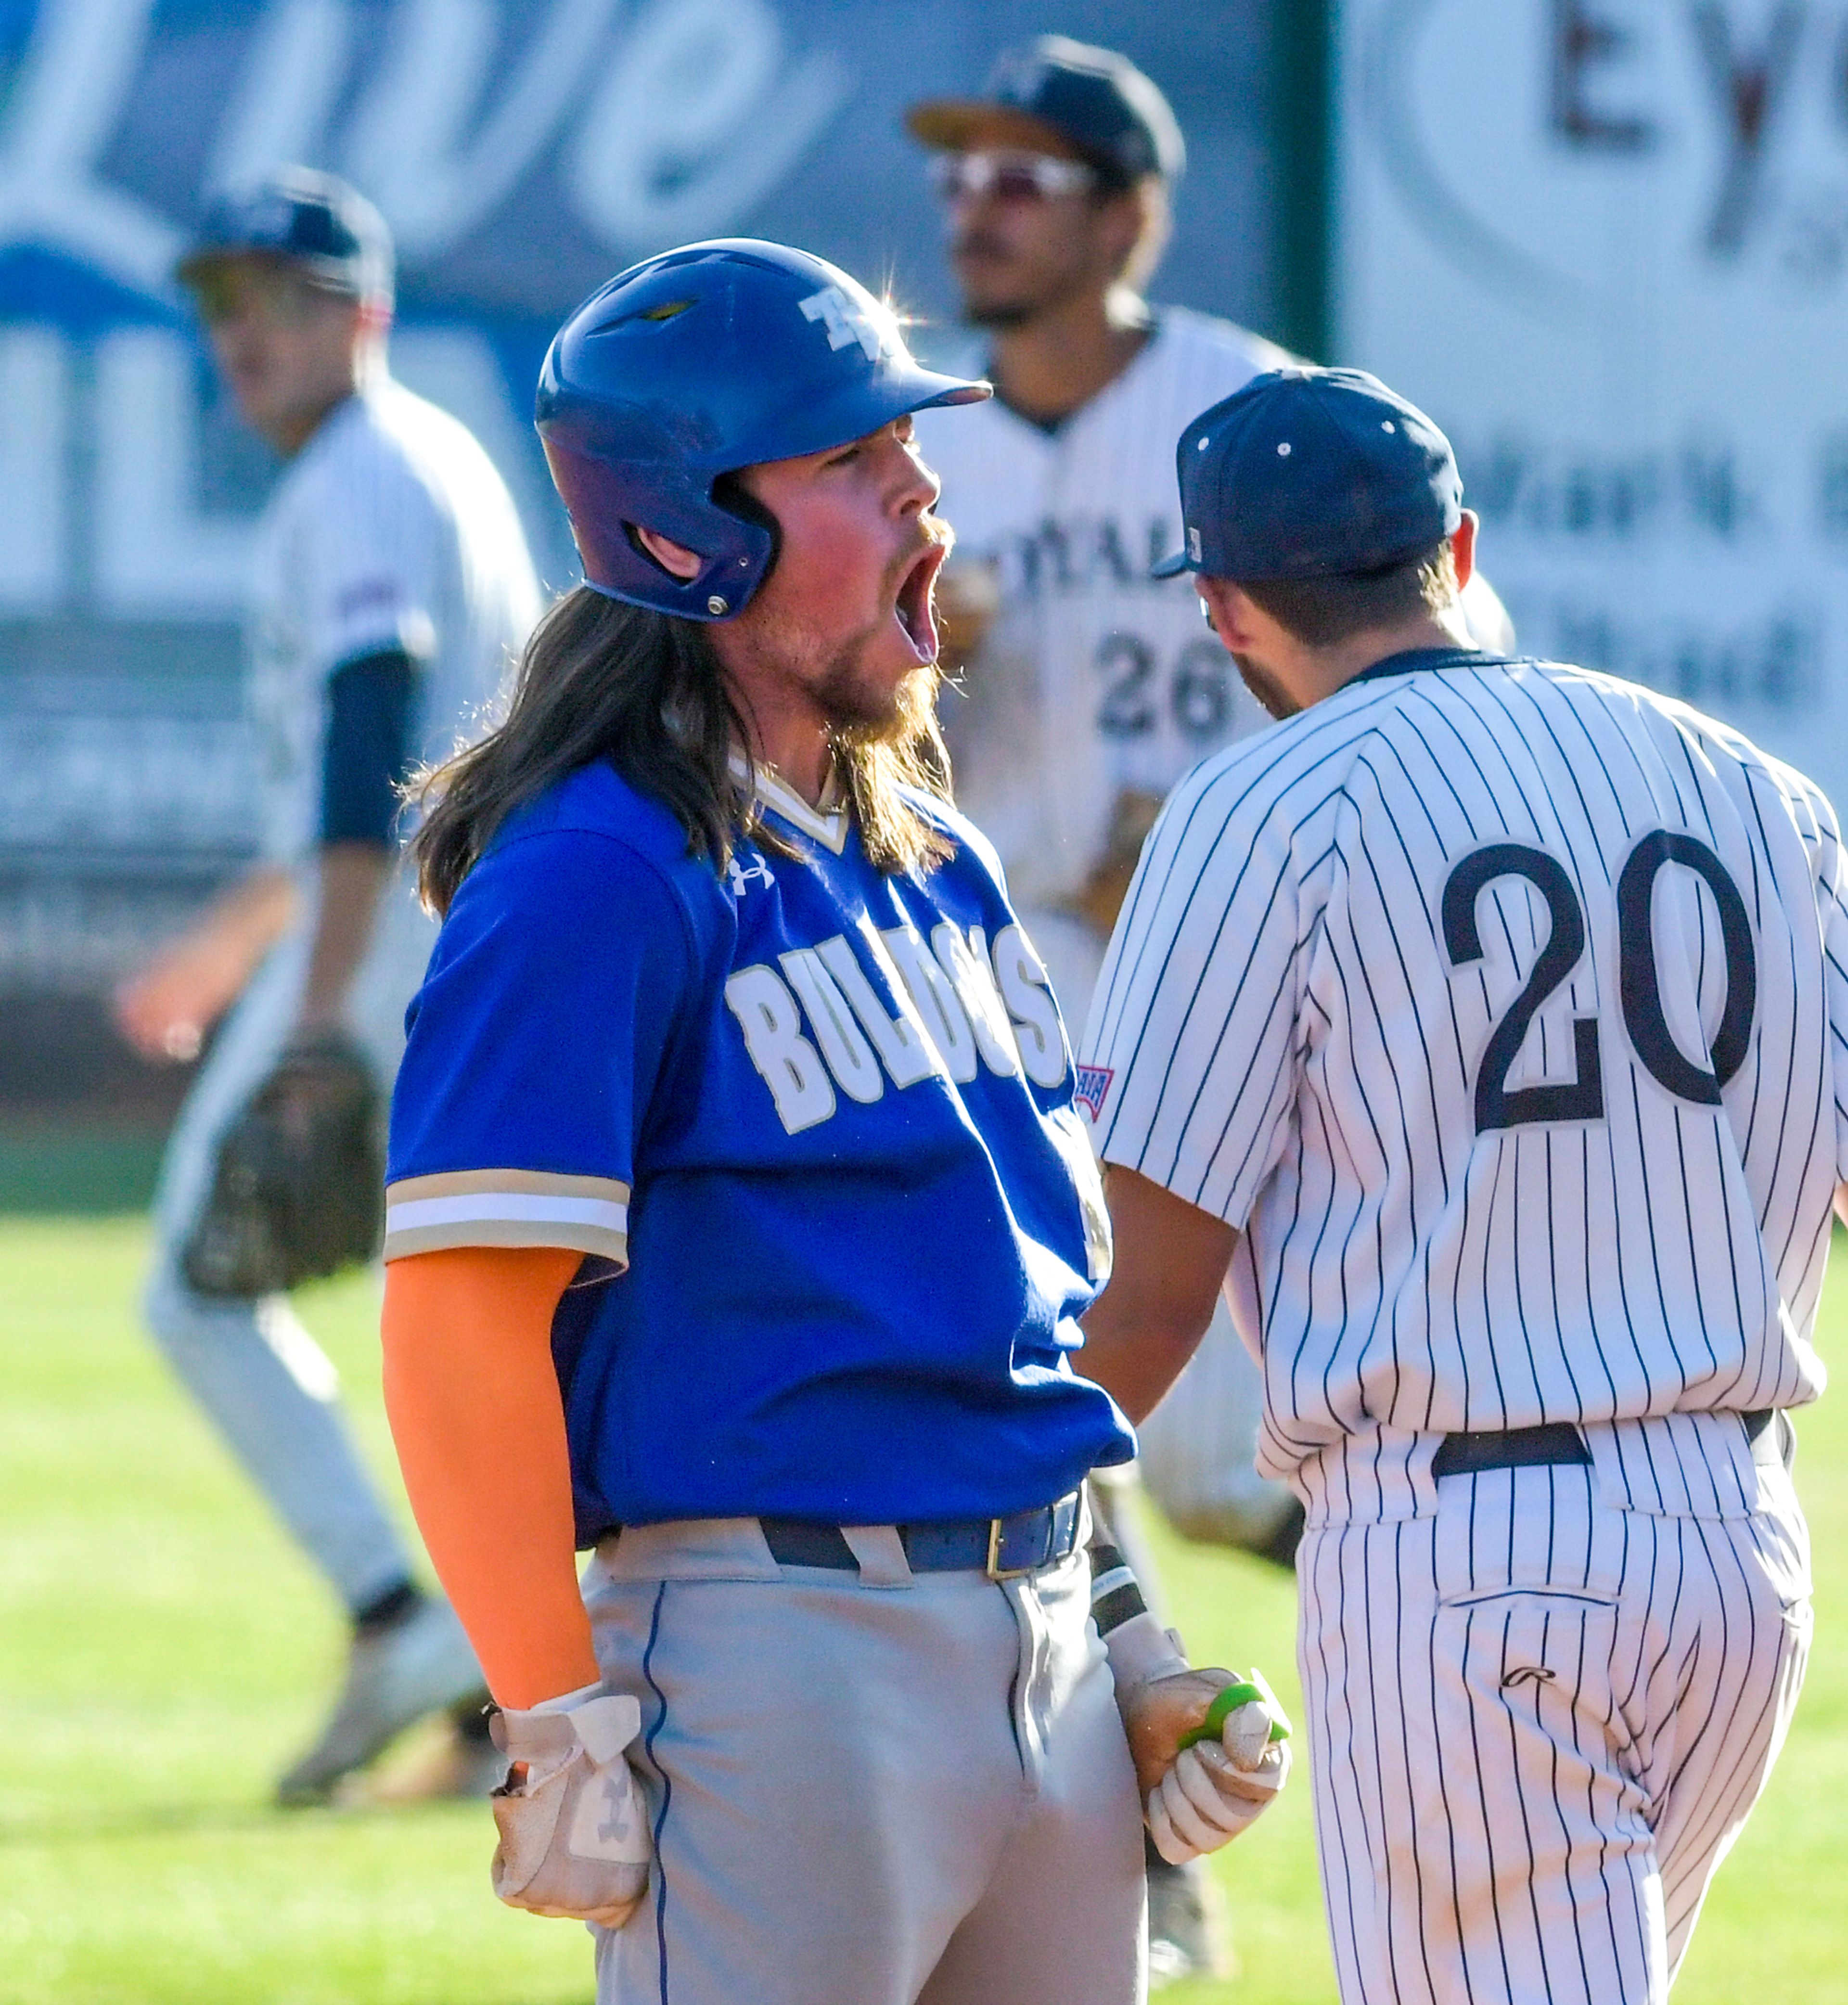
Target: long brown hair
<point>603,680</point>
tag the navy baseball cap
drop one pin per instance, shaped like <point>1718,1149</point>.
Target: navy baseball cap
<point>1309,473</point>
<point>1096,100</point>
<point>313,219</point>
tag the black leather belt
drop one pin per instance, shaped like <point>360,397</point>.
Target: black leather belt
<point>1003,1548</point>
<point>1558,1444</point>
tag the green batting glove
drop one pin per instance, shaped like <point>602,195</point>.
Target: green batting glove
<point>1245,1691</point>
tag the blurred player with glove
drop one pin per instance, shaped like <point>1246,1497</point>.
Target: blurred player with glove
<point>393,583</point>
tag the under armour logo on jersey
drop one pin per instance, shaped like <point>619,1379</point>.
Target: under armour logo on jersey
<point>741,874</point>
<point>1093,1083</point>
<point>846,320</point>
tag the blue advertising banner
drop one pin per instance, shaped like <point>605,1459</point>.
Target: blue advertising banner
<point>522,150</point>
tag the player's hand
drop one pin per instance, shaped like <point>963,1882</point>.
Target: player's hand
<point>165,1011</point>
<point>1219,1785</point>
<point>574,1829</point>
<point>1158,1714</point>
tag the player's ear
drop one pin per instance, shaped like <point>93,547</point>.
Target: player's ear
<point>1122,221</point>
<point>1154,225</point>
<point>1463,547</point>
<point>1229,611</point>
<point>673,557</point>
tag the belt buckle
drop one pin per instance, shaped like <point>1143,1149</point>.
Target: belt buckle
<point>995,1570</point>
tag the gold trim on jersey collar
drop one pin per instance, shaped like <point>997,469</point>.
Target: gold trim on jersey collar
<point>828,823</point>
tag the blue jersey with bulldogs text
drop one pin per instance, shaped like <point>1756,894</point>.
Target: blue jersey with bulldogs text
<point>813,1125</point>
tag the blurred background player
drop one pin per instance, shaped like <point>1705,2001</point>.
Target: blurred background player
<point>1092,687</point>
<point>1089,688</point>
<point>393,585</point>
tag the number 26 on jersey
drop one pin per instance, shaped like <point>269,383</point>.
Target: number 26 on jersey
<point>1640,982</point>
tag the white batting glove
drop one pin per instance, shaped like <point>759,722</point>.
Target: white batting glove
<point>1216,1787</point>
<point>573,1829</point>
<point>1141,1652</point>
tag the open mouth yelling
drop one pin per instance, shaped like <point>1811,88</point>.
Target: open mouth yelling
<point>914,611</point>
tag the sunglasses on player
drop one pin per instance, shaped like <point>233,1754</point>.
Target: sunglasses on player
<point>272,289</point>
<point>1007,176</point>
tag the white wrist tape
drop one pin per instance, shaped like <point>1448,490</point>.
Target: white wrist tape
<point>1140,1651</point>
<point>564,1704</point>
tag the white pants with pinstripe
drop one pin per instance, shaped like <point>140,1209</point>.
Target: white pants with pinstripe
<point>1541,1715</point>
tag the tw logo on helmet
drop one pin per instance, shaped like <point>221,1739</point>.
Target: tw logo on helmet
<point>847,320</point>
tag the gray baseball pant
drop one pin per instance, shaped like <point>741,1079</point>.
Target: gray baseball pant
<point>867,1789</point>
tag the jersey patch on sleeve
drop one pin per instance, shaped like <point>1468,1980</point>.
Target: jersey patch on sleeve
<point>507,1207</point>
<point>1094,1084</point>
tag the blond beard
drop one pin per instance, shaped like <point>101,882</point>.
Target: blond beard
<point>914,707</point>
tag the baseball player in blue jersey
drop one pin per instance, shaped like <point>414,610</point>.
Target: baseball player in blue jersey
<point>1483,1027</point>
<point>738,1221</point>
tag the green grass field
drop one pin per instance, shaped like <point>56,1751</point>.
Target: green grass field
<point>163,1652</point>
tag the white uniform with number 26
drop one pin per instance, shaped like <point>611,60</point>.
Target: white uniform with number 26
<point>1093,677</point>
<point>1093,680</point>
<point>1502,1008</point>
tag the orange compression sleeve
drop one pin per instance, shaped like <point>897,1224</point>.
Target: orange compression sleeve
<point>475,1412</point>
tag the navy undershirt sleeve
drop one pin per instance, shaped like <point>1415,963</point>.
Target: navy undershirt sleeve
<point>368,753</point>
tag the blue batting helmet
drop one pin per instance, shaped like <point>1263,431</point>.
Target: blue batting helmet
<point>697,364</point>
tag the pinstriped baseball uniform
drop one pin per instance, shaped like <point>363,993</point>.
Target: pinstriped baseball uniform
<point>393,530</point>
<point>1093,680</point>
<point>1093,677</point>
<point>1503,1008</point>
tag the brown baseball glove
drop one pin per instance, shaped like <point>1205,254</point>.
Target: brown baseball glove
<point>300,1187</point>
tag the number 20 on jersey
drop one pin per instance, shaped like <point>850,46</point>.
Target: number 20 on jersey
<point>1639,984</point>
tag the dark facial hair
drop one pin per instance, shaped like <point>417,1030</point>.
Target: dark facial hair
<point>1000,315</point>
<point>1269,692</point>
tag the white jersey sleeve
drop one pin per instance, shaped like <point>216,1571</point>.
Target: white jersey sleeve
<point>1197,1015</point>
<point>371,578</point>
<point>390,530</point>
